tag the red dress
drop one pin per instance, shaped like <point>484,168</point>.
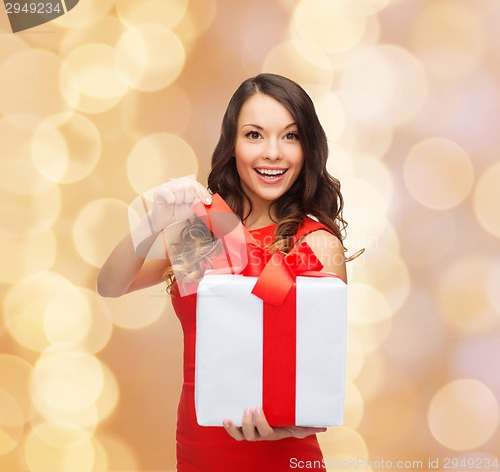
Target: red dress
<point>211,449</point>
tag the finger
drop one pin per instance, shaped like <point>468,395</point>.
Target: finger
<point>232,430</point>
<point>166,195</point>
<point>180,194</point>
<point>263,428</point>
<point>203,194</point>
<point>192,188</point>
<point>189,194</point>
<point>248,426</point>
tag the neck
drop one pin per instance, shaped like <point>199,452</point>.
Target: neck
<point>259,217</point>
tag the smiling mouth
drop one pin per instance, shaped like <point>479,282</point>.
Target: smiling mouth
<point>271,174</point>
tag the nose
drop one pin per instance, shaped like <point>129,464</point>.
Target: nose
<point>272,150</point>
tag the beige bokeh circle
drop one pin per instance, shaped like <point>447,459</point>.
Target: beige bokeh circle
<point>367,305</point>
<point>366,132</point>
<point>25,304</point>
<point>62,434</point>
<point>32,215</point>
<point>463,414</point>
<point>22,256</point>
<point>463,295</point>
<point>15,374</point>
<point>79,423</point>
<point>361,7</point>
<point>139,309</point>
<point>486,198</point>
<point>108,400</point>
<point>492,284</point>
<point>450,38</point>
<point>41,457</point>
<point>106,30</point>
<point>329,28</point>
<point>355,355</point>
<point>149,57</point>
<point>373,378</point>
<point>89,80</point>
<point>391,78</point>
<point>67,317</point>
<point>12,416</point>
<point>19,174</point>
<point>98,227</point>
<point>364,202</point>
<point>66,147</point>
<point>100,327</point>
<point>438,173</point>
<point>167,13</point>
<point>354,406</point>
<point>84,15</point>
<point>158,157</point>
<point>11,423</point>
<point>340,163</point>
<point>376,172</point>
<point>67,379</point>
<point>330,111</point>
<point>119,454</point>
<point>197,20</point>
<point>371,335</point>
<point>387,272</point>
<point>300,61</point>
<point>341,445</point>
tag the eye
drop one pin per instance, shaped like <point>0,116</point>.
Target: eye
<point>292,136</point>
<point>253,134</point>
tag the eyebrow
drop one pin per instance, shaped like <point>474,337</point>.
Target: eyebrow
<point>261,128</point>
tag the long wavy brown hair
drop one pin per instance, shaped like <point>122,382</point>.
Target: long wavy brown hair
<point>315,192</point>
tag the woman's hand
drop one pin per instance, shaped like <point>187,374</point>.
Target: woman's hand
<point>173,201</point>
<point>255,427</point>
<point>126,269</point>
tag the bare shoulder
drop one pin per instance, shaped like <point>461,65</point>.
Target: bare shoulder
<point>329,251</point>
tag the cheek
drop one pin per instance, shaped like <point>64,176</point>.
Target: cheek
<point>243,156</point>
<point>299,160</point>
<point>242,166</point>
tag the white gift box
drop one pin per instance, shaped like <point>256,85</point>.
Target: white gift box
<point>229,350</point>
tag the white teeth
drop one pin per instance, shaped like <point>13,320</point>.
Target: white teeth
<point>271,171</point>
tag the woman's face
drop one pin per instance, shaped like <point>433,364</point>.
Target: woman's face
<point>268,153</point>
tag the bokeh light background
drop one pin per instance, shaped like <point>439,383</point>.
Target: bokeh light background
<point>117,96</point>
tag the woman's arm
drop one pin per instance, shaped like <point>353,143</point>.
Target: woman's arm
<point>126,268</point>
<point>124,271</point>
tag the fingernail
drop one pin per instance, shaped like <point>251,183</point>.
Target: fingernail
<point>248,411</point>
<point>256,410</point>
<point>208,200</point>
<point>226,424</point>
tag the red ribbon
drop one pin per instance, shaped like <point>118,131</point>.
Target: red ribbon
<point>276,286</point>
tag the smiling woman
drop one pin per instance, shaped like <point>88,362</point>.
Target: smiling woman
<point>291,133</point>
<point>270,167</point>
